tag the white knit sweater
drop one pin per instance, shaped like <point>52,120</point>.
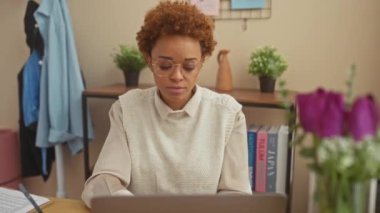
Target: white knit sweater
<point>151,149</point>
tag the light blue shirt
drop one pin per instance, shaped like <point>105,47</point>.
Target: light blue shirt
<point>60,115</point>
<point>31,88</point>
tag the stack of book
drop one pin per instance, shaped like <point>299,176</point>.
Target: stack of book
<point>267,155</point>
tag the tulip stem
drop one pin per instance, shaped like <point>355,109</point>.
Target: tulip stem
<point>350,83</point>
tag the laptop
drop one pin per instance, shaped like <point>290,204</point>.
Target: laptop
<point>256,203</point>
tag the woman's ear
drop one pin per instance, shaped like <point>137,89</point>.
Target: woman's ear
<point>148,60</point>
<point>203,59</point>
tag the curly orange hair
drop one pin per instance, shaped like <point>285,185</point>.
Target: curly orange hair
<point>176,18</point>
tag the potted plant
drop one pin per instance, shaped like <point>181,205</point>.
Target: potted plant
<point>130,60</point>
<point>268,64</point>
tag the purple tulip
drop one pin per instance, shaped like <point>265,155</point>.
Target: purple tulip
<point>363,118</point>
<point>321,113</point>
<point>310,106</point>
<point>331,120</point>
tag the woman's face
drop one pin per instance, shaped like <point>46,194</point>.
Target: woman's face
<point>175,62</point>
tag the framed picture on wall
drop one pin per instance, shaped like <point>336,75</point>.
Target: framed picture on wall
<point>247,4</point>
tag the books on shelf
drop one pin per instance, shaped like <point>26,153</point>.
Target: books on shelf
<point>252,133</point>
<point>261,159</point>
<point>267,155</point>
<point>271,159</point>
<point>282,158</point>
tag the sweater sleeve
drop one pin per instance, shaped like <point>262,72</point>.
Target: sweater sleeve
<point>234,176</point>
<point>112,172</point>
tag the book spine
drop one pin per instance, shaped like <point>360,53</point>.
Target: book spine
<point>282,159</point>
<point>261,161</point>
<point>252,156</point>
<point>271,162</point>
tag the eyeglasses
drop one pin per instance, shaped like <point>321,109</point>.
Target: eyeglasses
<point>164,67</point>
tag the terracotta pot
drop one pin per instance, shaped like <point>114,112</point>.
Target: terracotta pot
<point>131,78</point>
<point>267,84</point>
<point>224,76</point>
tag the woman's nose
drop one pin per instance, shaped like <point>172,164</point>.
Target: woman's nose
<point>177,72</point>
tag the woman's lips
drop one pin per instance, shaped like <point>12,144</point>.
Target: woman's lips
<point>175,90</point>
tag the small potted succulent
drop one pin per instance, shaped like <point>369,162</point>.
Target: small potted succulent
<point>129,60</point>
<point>268,65</point>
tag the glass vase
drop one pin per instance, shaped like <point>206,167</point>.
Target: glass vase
<point>334,195</point>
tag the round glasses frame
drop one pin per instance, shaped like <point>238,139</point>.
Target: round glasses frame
<point>157,70</point>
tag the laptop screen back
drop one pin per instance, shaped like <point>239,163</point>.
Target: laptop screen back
<point>257,203</point>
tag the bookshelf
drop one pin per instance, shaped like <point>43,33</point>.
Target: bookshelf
<point>246,97</point>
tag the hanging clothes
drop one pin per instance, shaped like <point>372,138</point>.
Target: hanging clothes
<point>60,115</point>
<point>33,36</point>
<point>31,88</point>
<point>32,163</point>
<point>31,156</point>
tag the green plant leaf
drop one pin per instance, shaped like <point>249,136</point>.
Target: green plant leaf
<point>266,61</point>
<point>129,59</point>
<point>307,152</point>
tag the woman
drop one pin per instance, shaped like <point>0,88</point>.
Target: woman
<point>177,137</point>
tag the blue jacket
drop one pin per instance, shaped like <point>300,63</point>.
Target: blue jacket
<point>31,88</point>
<point>60,115</point>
